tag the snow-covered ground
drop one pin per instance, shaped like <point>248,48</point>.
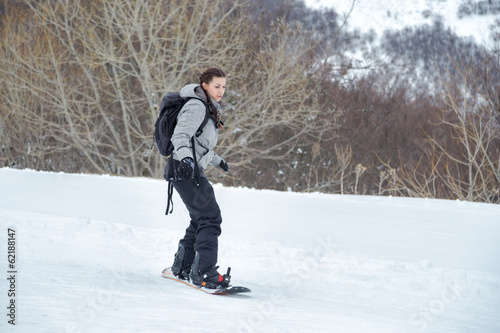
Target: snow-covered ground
<point>396,14</point>
<point>90,250</point>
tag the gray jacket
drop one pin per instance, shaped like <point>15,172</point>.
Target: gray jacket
<point>188,122</point>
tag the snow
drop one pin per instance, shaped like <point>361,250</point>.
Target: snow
<point>396,14</point>
<point>90,250</point>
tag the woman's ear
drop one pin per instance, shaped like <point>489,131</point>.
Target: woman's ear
<point>204,85</point>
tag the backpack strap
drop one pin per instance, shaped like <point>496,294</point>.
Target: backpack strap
<point>197,134</point>
<point>207,115</point>
<point>203,124</point>
<point>170,193</point>
<point>196,169</point>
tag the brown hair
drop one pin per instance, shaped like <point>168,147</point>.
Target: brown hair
<point>206,77</point>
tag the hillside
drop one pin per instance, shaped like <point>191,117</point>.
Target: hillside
<point>467,18</point>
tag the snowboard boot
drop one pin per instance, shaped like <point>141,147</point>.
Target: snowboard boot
<point>210,278</point>
<point>181,266</point>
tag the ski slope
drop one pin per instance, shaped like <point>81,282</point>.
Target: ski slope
<point>378,16</point>
<point>90,250</point>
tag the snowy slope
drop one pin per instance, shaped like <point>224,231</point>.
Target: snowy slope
<point>90,250</point>
<point>397,14</point>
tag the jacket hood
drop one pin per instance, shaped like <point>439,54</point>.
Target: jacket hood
<point>194,90</point>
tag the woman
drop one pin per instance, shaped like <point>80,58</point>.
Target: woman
<point>197,252</point>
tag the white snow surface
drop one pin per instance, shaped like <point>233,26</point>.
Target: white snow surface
<point>396,14</point>
<point>90,250</point>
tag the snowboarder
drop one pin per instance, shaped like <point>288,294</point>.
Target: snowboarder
<point>196,256</point>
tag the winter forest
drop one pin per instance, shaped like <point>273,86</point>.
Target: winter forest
<point>418,116</point>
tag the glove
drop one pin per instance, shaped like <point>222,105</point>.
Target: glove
<point>186,168</point>
<point>223,165</point>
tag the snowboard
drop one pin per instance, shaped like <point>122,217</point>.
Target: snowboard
<point>231,290</point>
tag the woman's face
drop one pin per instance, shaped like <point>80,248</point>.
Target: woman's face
<point>216,87</point>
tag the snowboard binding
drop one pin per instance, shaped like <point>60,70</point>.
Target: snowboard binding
<point>210,278</point>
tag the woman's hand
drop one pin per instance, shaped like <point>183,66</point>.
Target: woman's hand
<point>223,165</point>
<point>186,168</point>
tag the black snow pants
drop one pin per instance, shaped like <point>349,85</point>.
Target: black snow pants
<point>205,226</point>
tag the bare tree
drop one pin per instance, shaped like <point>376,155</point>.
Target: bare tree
<point>462,160</point>
<point>472,169</point>
<point>81,82</point>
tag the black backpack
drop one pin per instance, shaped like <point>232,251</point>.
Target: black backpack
<point>170,107</point>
